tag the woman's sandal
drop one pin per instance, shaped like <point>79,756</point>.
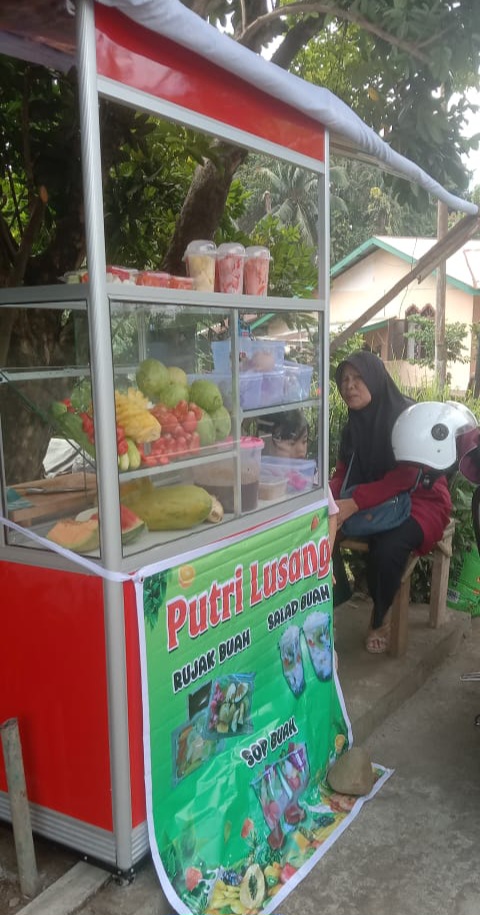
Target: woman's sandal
<point>378,640</point>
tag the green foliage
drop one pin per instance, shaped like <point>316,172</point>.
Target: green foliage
<point>424,336</point>
<point>397,88</point>
<point>363,206</point>
<point>292,268</point>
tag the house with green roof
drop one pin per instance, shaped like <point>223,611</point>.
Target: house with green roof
<point>374,267</point>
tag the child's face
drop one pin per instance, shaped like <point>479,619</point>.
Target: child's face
<point>290,448</point>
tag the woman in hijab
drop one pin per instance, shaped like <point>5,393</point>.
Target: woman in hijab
<point>374,402</point>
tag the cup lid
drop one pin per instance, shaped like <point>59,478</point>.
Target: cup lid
<point>257,251</point>
<point>231,247</point>
<point>200,246</point>
<point>247,441</point>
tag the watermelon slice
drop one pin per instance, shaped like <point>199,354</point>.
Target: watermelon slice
<point>78,536</point>
<point>132,525</point>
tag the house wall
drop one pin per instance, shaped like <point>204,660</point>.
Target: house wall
<point>358,287</point>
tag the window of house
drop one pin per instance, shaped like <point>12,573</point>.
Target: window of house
<point>410,325</point>
<point>415,349</point>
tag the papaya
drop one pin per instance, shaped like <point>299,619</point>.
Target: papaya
<point>252,887</point>
<point>170,507</point>
<point>78,536</point>
<point>135,488</point>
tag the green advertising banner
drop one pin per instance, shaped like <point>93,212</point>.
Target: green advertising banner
<point>243,715</point>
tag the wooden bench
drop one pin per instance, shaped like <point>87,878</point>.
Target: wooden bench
<point>440,556</point>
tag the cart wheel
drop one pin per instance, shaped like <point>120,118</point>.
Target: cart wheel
<point>477,721</point>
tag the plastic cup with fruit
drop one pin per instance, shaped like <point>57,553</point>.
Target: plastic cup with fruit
<point>229,268</point>
<point>256,270</point>
<point>200,257</point>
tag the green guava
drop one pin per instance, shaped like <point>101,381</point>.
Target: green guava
<point>151,376</point>
<point>176,375</point>
<point>171,394</point>
<point>222,422</point>
<point>206,395</point>
<point>206,430</point>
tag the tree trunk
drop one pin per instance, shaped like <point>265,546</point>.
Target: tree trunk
<point>204,203</point>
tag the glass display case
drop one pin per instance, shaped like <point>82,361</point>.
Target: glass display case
<point>199,399</point>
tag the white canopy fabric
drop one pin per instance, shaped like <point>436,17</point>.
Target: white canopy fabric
<point>349,135</point>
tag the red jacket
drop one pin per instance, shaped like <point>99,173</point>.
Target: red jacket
<point>431,508</point>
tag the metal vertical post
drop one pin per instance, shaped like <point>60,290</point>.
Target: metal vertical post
<point>440,301</point>
<point>105,437</point>
<point>324,292</point>
<point>17,793</point>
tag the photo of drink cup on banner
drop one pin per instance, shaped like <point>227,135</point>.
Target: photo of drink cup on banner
<point>278,789</point>
<point>316,631</point>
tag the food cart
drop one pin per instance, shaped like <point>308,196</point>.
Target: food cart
<point>77,569</point>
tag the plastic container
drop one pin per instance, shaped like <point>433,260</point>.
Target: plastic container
<point>113,275</point>
<point>221,350</point>
<point>266,355</point>
<point>257,389</point>
<point>273,484</point>
<point>218,477</point>
<point>75,276</point>
<point>221,355</point>
<point>152,278</point>
<point>229,268</point>
<point>256,269</point>
<point>121,274</point>
<point>200,257</point>
<point>297,381</point>
<point>250,390</point>
<point>181,282</point>
<point>300,474</point>
<point>272,388</point>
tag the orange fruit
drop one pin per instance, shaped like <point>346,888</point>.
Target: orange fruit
<point>340,740</point>
<point>186,576</point>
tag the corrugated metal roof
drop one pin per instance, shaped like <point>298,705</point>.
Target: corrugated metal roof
<point>463,266</point>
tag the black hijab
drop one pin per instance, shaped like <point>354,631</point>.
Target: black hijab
<point>367,433</point>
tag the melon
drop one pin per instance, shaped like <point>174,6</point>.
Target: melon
<point>78,536</point>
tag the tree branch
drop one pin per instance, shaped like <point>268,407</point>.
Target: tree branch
<point>296,38</point>
<point>27,157</point>
<point>28,239</point>
<point>330,10</point>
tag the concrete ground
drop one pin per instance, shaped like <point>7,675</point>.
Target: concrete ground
<point>413,850</point>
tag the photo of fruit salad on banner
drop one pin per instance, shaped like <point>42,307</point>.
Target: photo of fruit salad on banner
<point>230,705</point>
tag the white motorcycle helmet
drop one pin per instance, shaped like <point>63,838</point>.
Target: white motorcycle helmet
<point>428,433</point>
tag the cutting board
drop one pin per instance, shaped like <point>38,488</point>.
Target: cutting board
<point>67,494</point>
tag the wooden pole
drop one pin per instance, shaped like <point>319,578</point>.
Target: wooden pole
<point>17,793</point>
<point>441,289</point>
